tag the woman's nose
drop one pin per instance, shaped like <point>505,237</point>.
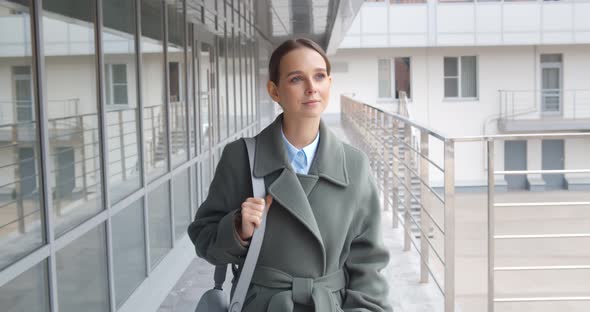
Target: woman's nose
<point>310,88</point>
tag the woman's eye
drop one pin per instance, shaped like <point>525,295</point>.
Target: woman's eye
<point>320,76</point>
<point>295,79</point>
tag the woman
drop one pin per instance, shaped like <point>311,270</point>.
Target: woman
<point>322,249</point>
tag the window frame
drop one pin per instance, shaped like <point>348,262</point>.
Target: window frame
<point>459,77</point>
<point>110,84</point>
<point>392,85</point>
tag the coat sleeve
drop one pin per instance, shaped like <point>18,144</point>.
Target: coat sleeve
<point>213,230</point>
<point>367,288</point>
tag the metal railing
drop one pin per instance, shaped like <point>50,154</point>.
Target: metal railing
<point>539,104</point>
<point>403,153</point>
<point>79,134</point>
<point>398,151</point>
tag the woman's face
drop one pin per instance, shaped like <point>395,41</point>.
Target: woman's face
<point>304,85</point>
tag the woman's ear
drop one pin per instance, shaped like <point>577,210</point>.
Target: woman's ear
<point>273,91</point>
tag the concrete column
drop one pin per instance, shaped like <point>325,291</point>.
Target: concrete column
<point>533,156</point>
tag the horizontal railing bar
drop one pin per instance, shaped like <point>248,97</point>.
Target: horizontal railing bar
<point>541,204</point>
<point>420,178</point>
<point>542,236</point>
<point>513,172</point>
<point>523,136</point>
<point>403,119</point>
<point>542,268</point>
<point>74,117</point>
<point>408,232</point>
<point>425,236</point>
<point>421,206</point>
<point>540,299</point>
<point>421,155</point>
<point>18,219</point>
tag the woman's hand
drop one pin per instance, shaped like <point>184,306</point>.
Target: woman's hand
<point>251,212</point>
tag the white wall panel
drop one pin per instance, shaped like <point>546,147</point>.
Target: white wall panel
<point>374,19</point>
<point>408,19</point>
<point>455,19</point>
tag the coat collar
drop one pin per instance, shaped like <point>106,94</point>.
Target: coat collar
<point>328,163</point>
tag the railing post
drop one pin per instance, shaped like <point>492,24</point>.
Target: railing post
<point>17,186</point>
<point>122,145</point>
<point>408,188</point>
<point>449,160</point>
<point>491,231</point>
<point>424,198</point>
<point>386,163</point>
<point>83,152</point>
<point>154,143</point>
<point>575,98</point>
<point>395,174</point>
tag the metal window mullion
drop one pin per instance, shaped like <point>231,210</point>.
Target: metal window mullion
<point>233,60</point>
<point>139,80</point>
<point>167,86</point>
<point>216,107</point>
<point>168,126</point>
<point>197,89</point>
<point>226,65</point>
<point>247,83</point>
<point>256,86</point>
<point>186,93</point>
<point>44,146</point>
<point>103,148</point>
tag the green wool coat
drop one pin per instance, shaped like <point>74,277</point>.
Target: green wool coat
<point>322,249</point>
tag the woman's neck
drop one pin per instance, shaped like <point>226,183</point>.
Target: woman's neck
<point>301,132</point>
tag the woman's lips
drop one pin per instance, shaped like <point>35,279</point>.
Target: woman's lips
<point>311,102</point>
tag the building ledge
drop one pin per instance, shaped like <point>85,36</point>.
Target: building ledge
<point>544,125</point>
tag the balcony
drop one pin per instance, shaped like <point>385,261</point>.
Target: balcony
<point>546,111</point>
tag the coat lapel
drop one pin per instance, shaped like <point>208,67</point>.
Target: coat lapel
<point>291,190</point>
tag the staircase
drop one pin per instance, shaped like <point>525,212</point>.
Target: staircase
<point>178,142</point>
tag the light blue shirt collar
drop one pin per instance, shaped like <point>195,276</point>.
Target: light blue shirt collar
<point>303,161</point>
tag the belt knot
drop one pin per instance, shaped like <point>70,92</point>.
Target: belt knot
<point>302,290</point>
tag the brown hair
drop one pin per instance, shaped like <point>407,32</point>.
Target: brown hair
<point>288,46</point>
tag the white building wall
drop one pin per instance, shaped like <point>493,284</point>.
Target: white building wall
<point>499,68</point>
<point>437,24</point>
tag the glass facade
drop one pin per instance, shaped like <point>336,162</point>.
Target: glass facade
<point>113,114</point>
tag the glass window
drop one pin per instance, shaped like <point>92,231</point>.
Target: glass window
<point>159,223</point>
<point>154,105</point>
<point>27,292</point>
<point>182,205</point>
<point>460,77</point>
<point>468,76</point>
<point>121,98</point>
<point>71,101</point>
<point>116,84</point>
<point>21,216</point>
<point>82,274</point>
<point>232,96</point>
<point>129,263</point>
<point>190,98</point>
<point>384,76</point>
<point>176,71</point>
<point>207,93</point>
<point>222,119</point>
<point>246,84</point>
<point>402,76</point>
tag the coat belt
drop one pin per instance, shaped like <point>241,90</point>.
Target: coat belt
<point>308,291</point>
